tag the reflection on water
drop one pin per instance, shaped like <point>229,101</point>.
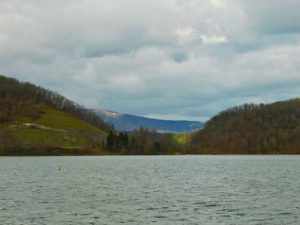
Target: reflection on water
<point>150,190</point>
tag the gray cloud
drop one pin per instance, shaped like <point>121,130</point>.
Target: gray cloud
<point>180,57</point>
<point>169,59</point>
<point>273,16</point>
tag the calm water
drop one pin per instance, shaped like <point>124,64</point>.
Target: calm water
<point>150,190</point>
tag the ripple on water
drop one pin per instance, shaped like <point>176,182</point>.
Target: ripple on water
<point>162,190</point>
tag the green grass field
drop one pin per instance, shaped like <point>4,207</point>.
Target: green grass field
<point>52,128</point>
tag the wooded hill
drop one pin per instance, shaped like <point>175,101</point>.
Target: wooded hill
<point>19,97</point>
<point>37,121</point>
<point>34,120</point>
<point>252,129</point>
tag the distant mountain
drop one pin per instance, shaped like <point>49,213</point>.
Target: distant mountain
<point>127,122</point>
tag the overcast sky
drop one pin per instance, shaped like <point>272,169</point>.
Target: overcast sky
<point>171,59</point>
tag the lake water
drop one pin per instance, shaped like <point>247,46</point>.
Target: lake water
<point>150,190</point>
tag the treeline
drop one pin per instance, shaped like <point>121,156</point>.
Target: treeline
<point>252,129</point>
<point>19,98</point>
<point>50,151</point>
<point>142,142</point>
<point>247,129</point>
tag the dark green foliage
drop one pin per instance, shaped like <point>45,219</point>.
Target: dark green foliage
<point>141,142</point>
<point>110,140</point>
<point>50,151</point>
<point>252,129</point>
<point>116,141</point>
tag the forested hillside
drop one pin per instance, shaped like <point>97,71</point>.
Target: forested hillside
<point>18,98</point>
<point>252,129</point>
<point>36,121</point>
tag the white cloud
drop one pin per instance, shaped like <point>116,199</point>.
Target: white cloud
<point>130,83</point>
<point>168,58</point>
<point>210,40</point>
<point>218,3</point>
<point>186,34</point>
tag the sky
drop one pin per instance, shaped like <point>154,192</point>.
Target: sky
<point>167,59</point>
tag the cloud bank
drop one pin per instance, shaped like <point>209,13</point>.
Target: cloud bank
<point>185,59</point>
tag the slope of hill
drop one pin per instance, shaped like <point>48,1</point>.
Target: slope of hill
<point>36,121</point>
<point>252,129</point>
<point>127,122</point>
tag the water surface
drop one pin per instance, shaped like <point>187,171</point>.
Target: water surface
<point>150,190</point>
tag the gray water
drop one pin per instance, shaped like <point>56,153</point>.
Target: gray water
<point>150,190</point>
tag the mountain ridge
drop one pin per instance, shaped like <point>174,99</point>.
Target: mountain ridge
<point>129,122</point>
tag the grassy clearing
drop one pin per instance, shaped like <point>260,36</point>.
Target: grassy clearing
<point>53,129</point>
<point>182,138</point>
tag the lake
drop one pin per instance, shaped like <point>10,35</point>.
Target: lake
<point>150,190</point>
